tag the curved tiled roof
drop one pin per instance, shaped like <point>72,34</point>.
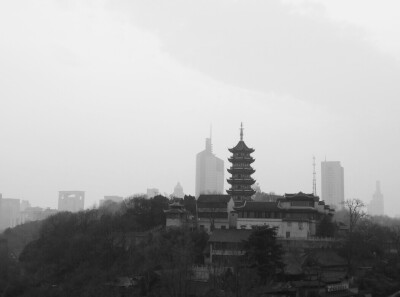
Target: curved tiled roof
<point>258,206</point>
<point>241,146</point>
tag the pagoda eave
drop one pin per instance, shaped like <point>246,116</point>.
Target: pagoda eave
<point>241,170</point>
<point>234,181</point>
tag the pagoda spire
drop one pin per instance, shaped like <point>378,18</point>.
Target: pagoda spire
<point>241,131</point>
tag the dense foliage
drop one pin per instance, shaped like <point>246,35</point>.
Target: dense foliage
<point>81,254</point>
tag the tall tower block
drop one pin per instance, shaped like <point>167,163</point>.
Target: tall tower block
<point>209,172</point>
<point>332,183</point>
<point>241,171</point>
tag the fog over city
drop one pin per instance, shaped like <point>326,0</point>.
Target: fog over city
<point>114,97</point>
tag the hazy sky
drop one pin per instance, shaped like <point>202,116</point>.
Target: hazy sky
<point>113,97</point>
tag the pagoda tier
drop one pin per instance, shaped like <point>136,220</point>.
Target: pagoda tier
<point>247,170</point>
<point>241,181</point>
<point>241,172</point>
<point>246,160</point>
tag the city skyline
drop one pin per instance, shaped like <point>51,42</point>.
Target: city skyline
<point>97,98</point>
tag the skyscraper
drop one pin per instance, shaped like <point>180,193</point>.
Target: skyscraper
<point>209,172</point>
<point>332,183</point>
<point>376,206</point>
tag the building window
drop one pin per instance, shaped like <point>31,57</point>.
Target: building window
<point>289,224</point>
<point>223,227</point>
<point>301,225</point>
<point>287,234</point>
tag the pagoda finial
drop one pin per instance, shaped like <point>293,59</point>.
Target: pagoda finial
<point>241,131</point>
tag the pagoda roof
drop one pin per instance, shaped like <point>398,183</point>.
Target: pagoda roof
<point>257,206</point>
<point>213,201</point>
<point>301,196</point>
<point>240,147</point>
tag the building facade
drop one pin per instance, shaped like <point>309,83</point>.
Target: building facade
<point>295,216</point>
<point>241,181</point>
<point>209,172</point>
<point>376,206</point>
<point>10,213</point>
<point>332,183</point>
<point>72,201</point>
<point>215,212</point>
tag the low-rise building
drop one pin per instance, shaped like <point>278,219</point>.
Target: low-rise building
<point>178,216</point>
<point>215,212</point>
<point>294,215</point>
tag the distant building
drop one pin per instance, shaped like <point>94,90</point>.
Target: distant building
<point>241,181</point>
<point>72,201</point>
<point>209,172</point>
<point>10,213</point>
<point>152,193</point>
<point>376,206</point>
<point>31,214</point>
<point>116,199</point>
<point>332,183</point>
<point>178,191</point>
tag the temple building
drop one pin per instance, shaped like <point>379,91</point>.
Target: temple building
<point>241,171</point>
<point>178,216</point>
<point>295,215</point>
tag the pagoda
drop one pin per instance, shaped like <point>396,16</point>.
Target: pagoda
<point>241,171</point>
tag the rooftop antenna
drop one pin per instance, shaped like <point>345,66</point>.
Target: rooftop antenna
<point>241,131</point>
<point>314,183</point>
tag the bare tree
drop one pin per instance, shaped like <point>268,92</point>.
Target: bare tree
<point>356,213</point>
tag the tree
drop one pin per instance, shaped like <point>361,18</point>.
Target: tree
<point>356,212</point>
<point>264,253</point>
<point>326,228</point>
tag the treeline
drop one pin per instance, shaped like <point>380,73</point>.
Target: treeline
<point>81,254</point>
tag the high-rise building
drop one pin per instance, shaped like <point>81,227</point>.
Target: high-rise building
<point>178,191</point>
<point>72,201</point>
<point>241,171</point>
<point>209,172</point>
<point>332,183</point>
<point>376,206</point>
<point>10,213</point>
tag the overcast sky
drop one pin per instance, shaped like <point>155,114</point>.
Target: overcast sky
<point>113,97</point>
